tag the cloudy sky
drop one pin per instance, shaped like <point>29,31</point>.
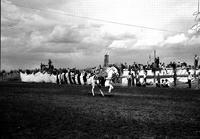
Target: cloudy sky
<point>33,31</point>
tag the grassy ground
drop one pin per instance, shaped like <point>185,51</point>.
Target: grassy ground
<point>30,110</point>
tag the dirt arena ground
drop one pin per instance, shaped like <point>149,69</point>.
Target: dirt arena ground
<point>33,110</point>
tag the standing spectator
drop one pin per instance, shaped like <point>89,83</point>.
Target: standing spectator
<point>145,77</point>
<point>174,66</point>
<point>136,66</point>
<point>138,79</point>
<point>122,68</point>
<point>85,77</point>
<point>79,79</point>
<point>133,79</point>
<point>157,61</point>
<point>126,66</point>
<point>73,77</point>
<point>175,77</point>
<point>167,84</point>
<point>129,79</point>
<point>153,68</point>
<point>189,79</point>
<point>198,81</point>
<point>129,68</point>
<point>163,67</point>
<point>158,80</point>
<point>196,60</point>
<point>163,83</point>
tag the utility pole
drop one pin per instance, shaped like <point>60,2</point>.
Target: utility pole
<point>198,8</point>
<point>0,58</point>
<point>197,13</point>
<point>154,54</point>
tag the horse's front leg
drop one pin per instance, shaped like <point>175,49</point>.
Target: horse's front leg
<point>110,88</point>
<point>93,86</point>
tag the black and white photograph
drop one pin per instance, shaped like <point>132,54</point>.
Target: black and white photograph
<point>105,69</point>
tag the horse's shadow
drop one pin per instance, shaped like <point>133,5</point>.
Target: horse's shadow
<point>99,95</point>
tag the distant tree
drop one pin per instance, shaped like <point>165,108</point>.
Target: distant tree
<point>184,64</point>
<point>11,71</point>
<point>49,63</point>
<point>28,71</point>
<point>2,73</point>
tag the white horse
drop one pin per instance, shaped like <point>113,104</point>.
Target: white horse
<point>93,80</point>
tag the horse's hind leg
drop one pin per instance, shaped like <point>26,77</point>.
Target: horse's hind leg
<point>109,91</point>
<point>101,92</point>
<point>99,86</point>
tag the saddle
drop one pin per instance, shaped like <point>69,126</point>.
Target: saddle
<point>100,81</point>
<point>102,74</point>
<point>100,77</point>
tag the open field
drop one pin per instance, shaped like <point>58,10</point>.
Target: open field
<point>31,110</point>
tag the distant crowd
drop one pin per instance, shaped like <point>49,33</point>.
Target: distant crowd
<point>134,69</point>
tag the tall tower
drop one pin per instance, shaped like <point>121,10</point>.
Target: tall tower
<point>106,60</point>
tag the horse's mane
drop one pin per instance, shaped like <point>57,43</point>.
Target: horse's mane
<point>118,69</point>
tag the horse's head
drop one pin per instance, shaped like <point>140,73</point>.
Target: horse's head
<point>114,71</point>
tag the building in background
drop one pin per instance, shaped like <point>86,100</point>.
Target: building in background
<point>106,60</point>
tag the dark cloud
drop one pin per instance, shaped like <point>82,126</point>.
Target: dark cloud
<point>65,34</point>
<point>123,36</point>
<point>39,4</point>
